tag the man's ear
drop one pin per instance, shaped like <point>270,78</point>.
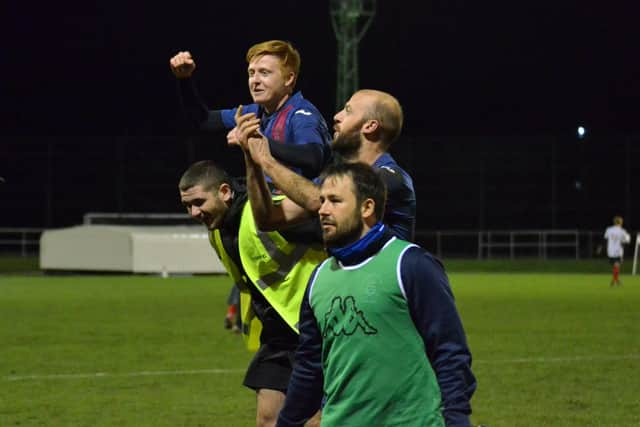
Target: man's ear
<point>368,211</point>
<point>291,79</point>
<point>225,193</point>
<point>370,127</point>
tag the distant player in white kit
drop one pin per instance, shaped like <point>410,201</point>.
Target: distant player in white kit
<point>616,236</point>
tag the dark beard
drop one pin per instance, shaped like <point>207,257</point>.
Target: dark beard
<point>346,238</point>
<point>347,146</point>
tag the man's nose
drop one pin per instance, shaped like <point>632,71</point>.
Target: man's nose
<point>323,210</point>
<point>195,212</point>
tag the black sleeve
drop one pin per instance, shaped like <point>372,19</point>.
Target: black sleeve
<point>196,112</point>
<point>432,307</point>
<point>305,233</point>
<point>310,158</point>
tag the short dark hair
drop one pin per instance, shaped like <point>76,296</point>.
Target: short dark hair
<point>205,173</point>
<point>367,183</point>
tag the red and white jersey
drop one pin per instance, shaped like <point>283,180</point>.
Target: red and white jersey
<point>616,236</point>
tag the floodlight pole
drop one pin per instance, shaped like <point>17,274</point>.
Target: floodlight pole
<point>350,20</point>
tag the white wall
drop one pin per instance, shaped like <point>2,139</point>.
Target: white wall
<point>135,249</point>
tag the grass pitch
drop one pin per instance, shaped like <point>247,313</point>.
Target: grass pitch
<point>549,350</point>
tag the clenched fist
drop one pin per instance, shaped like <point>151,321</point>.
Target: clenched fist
<point>182,65</point>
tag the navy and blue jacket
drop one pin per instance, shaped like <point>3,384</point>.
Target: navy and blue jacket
<point>400,209</point>
<point>298,134</point>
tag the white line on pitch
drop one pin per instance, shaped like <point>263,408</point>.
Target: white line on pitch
<point>559,359</point>
<point>126,374</point>
<point>233,371</point>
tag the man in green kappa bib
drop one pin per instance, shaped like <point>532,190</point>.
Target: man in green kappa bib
<point>380,334</point>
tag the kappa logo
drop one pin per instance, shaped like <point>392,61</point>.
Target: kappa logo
<point>344,318</point>
<point>306,113</point>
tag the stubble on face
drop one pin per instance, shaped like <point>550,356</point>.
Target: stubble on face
<point>341,221</point>
<point>345,233</point>
<point>204,206</point>
<point>348,127</point>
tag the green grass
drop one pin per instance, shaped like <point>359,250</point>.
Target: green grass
<point>549,350</point>
<point>18,264</point>
<point>121,326</point>
<point>15,264</point>
<point>552,350</point>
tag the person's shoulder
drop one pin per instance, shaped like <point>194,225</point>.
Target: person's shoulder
<point>303,107</point>
<point>388,163</point>
<point>416,259</point>
<point>413,250</point>
<point>393,176</point>
<point>250,108</point>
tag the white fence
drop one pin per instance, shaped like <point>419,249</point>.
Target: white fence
<point>20,241</point>
<point>541,241</point>
<point>131,218</point>
<point>510,244</point>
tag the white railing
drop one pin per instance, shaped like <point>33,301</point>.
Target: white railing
<point>510,244</point>
<point>24,241</point>
<point>538,240</point>
<point>101,217</point>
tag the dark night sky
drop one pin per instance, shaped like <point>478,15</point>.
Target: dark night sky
<point>457,66</point>
<point>460,68</point>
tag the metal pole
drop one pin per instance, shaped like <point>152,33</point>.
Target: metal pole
<point>627,187</point>
<point>49,186</point>
<point>511,252</point>
<point>345,19</point>
<point>23,242</point>
<point>553,184</point>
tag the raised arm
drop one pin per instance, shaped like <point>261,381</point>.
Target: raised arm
<point>199,116</point>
